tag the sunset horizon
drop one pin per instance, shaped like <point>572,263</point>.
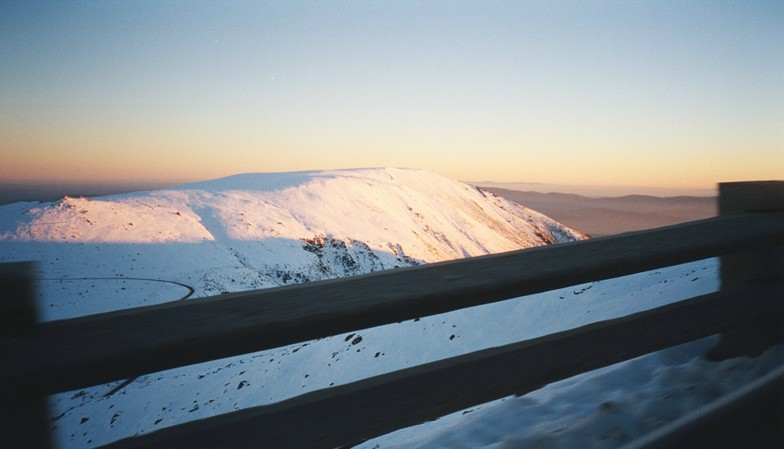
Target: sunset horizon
<point>571,93</point>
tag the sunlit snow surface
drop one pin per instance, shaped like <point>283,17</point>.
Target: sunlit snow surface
<point>256,231</point>
<point>262,230</point>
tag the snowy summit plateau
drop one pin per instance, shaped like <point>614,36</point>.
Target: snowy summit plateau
<point>263,230</point>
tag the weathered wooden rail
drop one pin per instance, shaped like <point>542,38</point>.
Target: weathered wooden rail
<point>45,358</point>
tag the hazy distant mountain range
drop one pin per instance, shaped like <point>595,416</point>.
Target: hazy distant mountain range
<point>597,191</point>
<point>603,216</point>
<point>11,192</point>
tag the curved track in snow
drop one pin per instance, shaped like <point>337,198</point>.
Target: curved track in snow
<point>190,289</point>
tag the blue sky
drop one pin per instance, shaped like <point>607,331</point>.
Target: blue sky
<point>621,93</point>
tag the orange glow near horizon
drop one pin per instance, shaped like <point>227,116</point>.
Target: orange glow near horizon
<point>503,92</point>
<point>133,166</point>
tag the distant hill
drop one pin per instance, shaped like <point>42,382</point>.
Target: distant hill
<point>614,215</point>
<point>267,229</point>
<point>12,192</point>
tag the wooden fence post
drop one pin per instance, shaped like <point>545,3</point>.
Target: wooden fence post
<point>24,418</point>
<point>748,267</point>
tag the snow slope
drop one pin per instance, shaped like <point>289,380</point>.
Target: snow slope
<point>262,230</point>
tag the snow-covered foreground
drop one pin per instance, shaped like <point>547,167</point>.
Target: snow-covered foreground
<point>255,231</point>
<point>605,408</point>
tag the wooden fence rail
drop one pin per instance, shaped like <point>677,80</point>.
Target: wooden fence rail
<point>349,414</point>
<point>65,355</point>
<point>76,353</point>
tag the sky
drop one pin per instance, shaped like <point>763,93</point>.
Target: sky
<point>629,93</point>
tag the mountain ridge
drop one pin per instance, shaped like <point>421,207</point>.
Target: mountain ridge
<point>258,230</point>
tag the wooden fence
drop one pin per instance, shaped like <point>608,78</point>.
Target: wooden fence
<point>37,359</point>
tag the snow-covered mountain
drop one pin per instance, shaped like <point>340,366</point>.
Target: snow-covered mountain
<point>263,230</point>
